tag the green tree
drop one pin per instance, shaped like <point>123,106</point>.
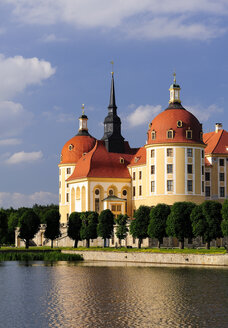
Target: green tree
<point>224,212</point>
<point>13,221</point>
<point>178,222</point>
<point>52,221</point>
<point>105,225</point>
<point>3,227</point>
<point>121,228</point>
<point>74,226</point>
<point>157,225</point>
<point>139,226</point>
<point>89,226</point>
<point>29,224</point>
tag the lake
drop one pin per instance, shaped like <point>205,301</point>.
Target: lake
<point>43,295</point>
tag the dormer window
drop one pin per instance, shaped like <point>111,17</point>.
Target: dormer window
<point>71,147</point>
<point>121,160</point>
<point>189,134</point>
<point>170,134</point>
<point>136,159</point>
<point>153,135</point>
<point>179,124</point>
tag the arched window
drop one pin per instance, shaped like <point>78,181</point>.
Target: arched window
<point>153,135</point>
<point>110,192</point>
<point>189,134</point>
<point>170,134</point>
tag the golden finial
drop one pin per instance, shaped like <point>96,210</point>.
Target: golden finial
<point>174,77</point>
<point>112,63</point>
<point>83,107</point>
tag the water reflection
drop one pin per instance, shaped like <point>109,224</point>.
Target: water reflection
<point>112,295</point>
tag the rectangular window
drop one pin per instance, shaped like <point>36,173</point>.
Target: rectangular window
<point>140,190</point>
<point>202,170</point>
<point>222,192</point>
<point>134,191</point>
<point>189,134</point>
<point>189,168</point>
<point>67,185</point>
<point>169,168</point>
<point>169,152</point>
<point>68,170</point>
<point>67,197</point>
<point>118,208</point>
<point>189,152</point>
<point>221,162</point>
<point>97,205</point>
<point>202,153</point>
<point>152,169</point>
<point>221,176</point>
<point>140,175</point>
<point>207,176</point>
<point>202,186</point>
<point>113,208</point>
<point>133,175</point>
<point>152,186</point>
<point>208,191</point>
<point>169,185</point>
<point>170,134</point>
<point>189,185</point>
<point>152,153</point>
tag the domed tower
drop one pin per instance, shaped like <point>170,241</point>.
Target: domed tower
<point>71,152</point>
<point>175,154</point>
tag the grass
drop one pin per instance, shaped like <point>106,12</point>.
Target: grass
<point>213,250</point>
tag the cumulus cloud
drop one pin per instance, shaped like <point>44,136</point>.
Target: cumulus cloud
<point>19,200</point>
<point>23,157</point>
<point>143,114</point>
<point>18,72</point>
<point>203,114</point>
<point>10,142</point>
<point>129,15</point>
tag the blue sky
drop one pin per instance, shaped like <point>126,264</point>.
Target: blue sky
<point>55,55</point>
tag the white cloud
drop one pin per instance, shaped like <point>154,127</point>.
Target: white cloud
<point>49,38</point>
<point>10,142</point>
<point>19,200</point>
<point>23,157</point>
<point>18,72</point>
<point>143,114</point>
<point>13,119</point>
<point>129,15</point>
<point>203,114</point>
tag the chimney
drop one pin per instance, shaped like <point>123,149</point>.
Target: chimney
<point>218,127</point>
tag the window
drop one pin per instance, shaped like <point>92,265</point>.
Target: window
<point>202,186</point>
<point>68,170</point>
<point>153,135</point>
<point>221,176</point>
<point>140,190</point>
<point>222,192</point>
<point>111,193</point>
<point>67,197</point>
<point>170,134</point>
<point>59,184</point>
<point>207,176</point>
<point>133,175</point>
<point>140,175</point>
<point>202,153</point>
<point>97,192</point>
<point>189,185</point>
<point>71,147</point>
<point>152,169</point>
<point>124,192</point>
<point>134,191</point>
<point>189,152</point>
<point>97,205</point>
<point>189,134</point>
<point>169,168</point>
<point>208,191</point>
<point>152,153</point>
<point>113,208</point>
<point>169,152</point>
<point>189,168</point>
<point>179,124</point>
<point>152,186</point>
<point>169,185</point>
<point>202,170</point>
<point>118,208</point>
<point>67,217</point>
<point>121,160</point>
<point>221,162</point>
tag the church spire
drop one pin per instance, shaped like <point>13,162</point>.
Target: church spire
<point>112,102</point>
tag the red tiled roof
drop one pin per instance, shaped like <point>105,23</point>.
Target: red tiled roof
<point>139,158</point>
<point>100,163</point>
<point>217,142</point>
<point>206,161</point>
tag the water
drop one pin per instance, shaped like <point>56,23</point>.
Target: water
<point>111,295</point>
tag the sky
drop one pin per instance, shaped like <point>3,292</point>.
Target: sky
<point>56,54</point>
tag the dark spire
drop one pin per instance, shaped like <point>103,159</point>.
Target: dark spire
<point>112,103</point>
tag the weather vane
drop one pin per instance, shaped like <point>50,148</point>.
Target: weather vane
<point>112,63</point>
<point>174,77</point>
<point>83,107</point>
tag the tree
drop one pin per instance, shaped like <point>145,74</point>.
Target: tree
<point>139,226</point>
<point>13,221</point>
<point>157,225</point>
<point>105,225</point>
<point>74,226</point>
<point>89,226</point>
<point>52,221</point>
<point>224,212</point>
<point>121,229</point>
<point>212,213</point>
<point>178,222</point>
<point>29,224</point>
<point>3,227</point>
